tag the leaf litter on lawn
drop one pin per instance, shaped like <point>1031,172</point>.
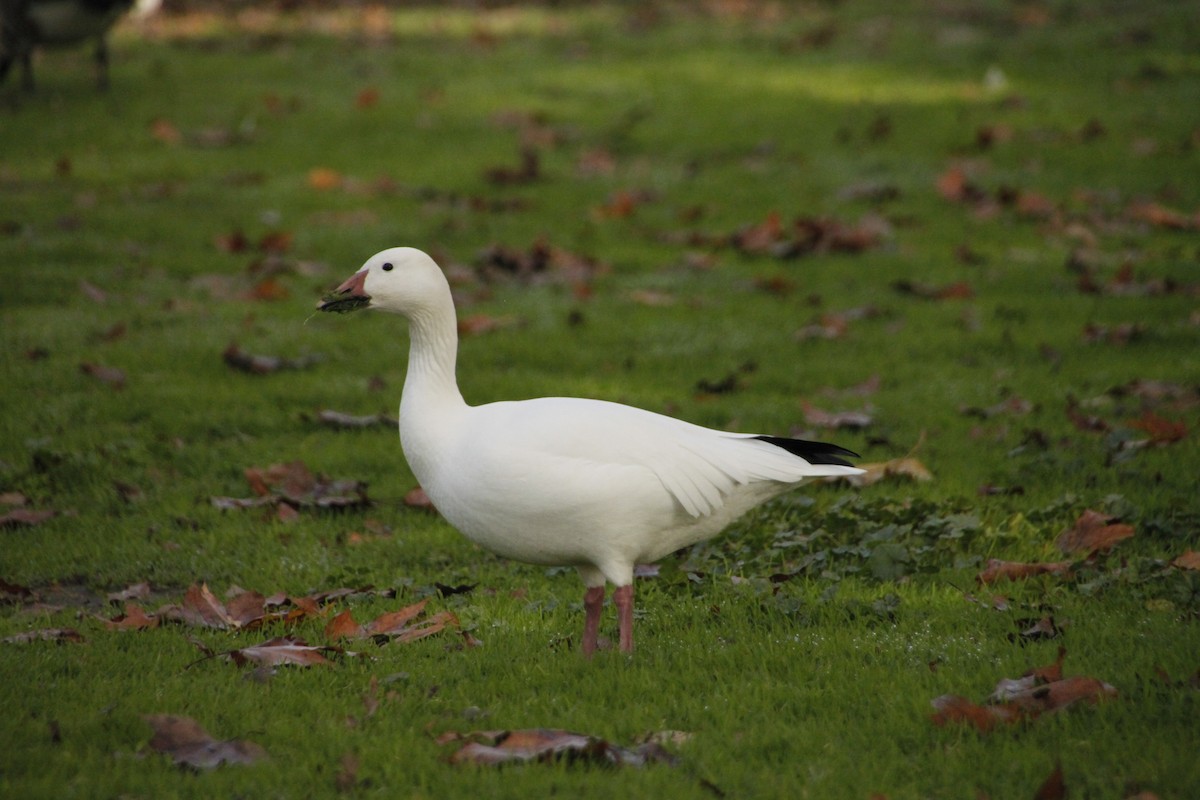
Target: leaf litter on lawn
<point>1042,690</point>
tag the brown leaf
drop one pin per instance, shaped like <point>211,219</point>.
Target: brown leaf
<point>324,179</point>
<point>527,171</point>
<point>283,650</point>
<point>1160,216</point>
<point>246,608</point>
<point>393,622</point>
<point>486,748</point>
<point>416,498</point>
<point>1162,431</point>
<point>1054,787</point>
<point>367,98</point>
<point>343,626</point>
<point>204,606</point>
<point>1061,694</point>
<point>478,324</point>
<point>908,467</point>
<point>435,624</point>
<point>46,635</point>
<point>1189,560</point>
<point>1092,532</point>
<point>188,744</point>
<point>165,131</point>
<point>337,419</point>
<point>951,291</point>
<point>109,375</point>
<point>134,619</point>
<point>953,708</point>
<point>998,570</point>
<point>237,358</point>
<point>852,420</point>
<point>24,517</point>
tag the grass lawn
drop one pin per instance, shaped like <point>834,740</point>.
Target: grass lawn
<point>958,238</point>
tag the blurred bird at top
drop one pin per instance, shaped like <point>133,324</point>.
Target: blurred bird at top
<point>29,24</point>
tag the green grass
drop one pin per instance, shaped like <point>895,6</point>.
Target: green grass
<point>816,686</point>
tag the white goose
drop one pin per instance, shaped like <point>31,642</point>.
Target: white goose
<point>591,484</point>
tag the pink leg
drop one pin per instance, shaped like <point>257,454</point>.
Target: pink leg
<point>593,602</point>
<point>623,598</point>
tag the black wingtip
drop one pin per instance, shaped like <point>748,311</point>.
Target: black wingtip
<point>813,452</point>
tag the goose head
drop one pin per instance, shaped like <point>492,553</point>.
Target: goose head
<point>402,280</point>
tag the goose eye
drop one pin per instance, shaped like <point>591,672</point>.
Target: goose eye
<point>387,267</point>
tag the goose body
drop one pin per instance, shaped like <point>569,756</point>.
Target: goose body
<point>592,484</point>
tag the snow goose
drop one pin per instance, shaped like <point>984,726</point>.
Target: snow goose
<point>591,484</point>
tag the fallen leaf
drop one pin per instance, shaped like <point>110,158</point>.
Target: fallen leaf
<point>324,179</point>
<point>416,498</point>
<point>960,290</point>
<point>165,131</point>
<point>343,626</point>
<point>488,748</point>
<point>952,708</point>
<point>134,619</point>
<point>367,98</point>
<point>393,622</point>
<point>527,170</point>
<point>907,467</point>
<point>24,517</point>
<point>46,635</point>
<point>235,357</point>
<point>852,420</point>
<point>189,745</point>
<point>337,419</point>
<point>1160,216</point>
<point>1054,787</point>
<point>283,650</point>
<point>1161,431</point>
<point>1092,533</point>
<point>204,609</point>
<point>108,375</point>
<point>1189,560</point>
<point>998,570</point>
<point>477,324</point>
